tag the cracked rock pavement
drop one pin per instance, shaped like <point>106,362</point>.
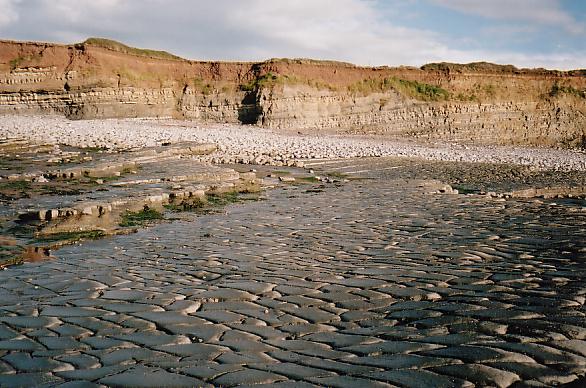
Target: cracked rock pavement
<point>372,283</point>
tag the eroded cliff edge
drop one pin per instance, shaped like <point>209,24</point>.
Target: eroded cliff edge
<point>479,103</point>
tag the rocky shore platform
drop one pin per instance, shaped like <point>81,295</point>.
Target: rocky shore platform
<point>163,254</point>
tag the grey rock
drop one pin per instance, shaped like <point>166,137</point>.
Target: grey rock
<point>151,377</point>
<point>247,376</point>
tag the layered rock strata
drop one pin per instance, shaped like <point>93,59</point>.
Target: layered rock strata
<point>479,103</point>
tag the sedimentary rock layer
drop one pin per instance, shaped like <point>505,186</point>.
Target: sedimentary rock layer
<point>480,103</point>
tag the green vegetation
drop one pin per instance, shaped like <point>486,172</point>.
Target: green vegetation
<point>11,190</point>
<point>309,61</point>
<point>414,89</point>
<point>466,189</point>
<point>120,47</point>
<point>490,90</point>
<point>94,149</point>
<point>270,79</point>
<point>338,175</point>
<point>10,261</point>
<point>72,236</point>
<point>319,84</point>
<point>21,230</point>
<point>186,206</point>
<point>141,217</point>
<point>265,80</point>
<point>558,90</point>
<point>464,97</point>
<point>15,63</point>
<point>308,179</point>
<point>478,92</point>
<point>58,190</point>
<point>211,203</point>
<point>483,67</point>
<point>132,76</point>
<point>204,87</point>
<point>223,199</point>
<point>19,185</point>
<point>20,60</point>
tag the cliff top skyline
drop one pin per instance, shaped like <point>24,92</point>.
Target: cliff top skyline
<point>525,33</point>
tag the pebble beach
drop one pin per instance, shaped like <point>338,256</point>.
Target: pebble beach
<point>253,145</point>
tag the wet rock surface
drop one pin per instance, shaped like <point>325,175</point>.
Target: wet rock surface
<point>377,278</point>
<point>51,196</point>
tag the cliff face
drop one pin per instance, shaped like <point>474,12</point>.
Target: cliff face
<point>481,103</point>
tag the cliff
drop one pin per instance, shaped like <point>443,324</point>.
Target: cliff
<point>478,102</point>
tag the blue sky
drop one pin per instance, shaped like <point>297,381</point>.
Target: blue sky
<point>525,33</point>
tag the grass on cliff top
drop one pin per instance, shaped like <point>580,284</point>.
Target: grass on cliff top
<point>485,67</point>
<point>309,61</point>
<point>120,47</point>
<point>414,89</point>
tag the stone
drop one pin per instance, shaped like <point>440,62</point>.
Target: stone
<point>80,361</point>
<point>24,344</point>
<point>58,311</point>
<point>478,354</point>
<point>28,380</point>
<point>253,287</point>
<point>419,378</point>
<point>31,322</point>
<point>151,339</point>
<point>392,347</point>
<point>294,371</point>
<point>220,316</point>
<point>62,343</point>
<point>199,351</point>
<point>127,356</point>
<point>98,342</point>
<point>247,376</point>
<point>348,382</point>
<point>23,362</point>
<point>165,318</point>
<point>207,332</point>
<point>78,384</point>
<point>210,371</point>
<point>244,345</point>
<point>481,375</point>
<point>313,314</point>
<point>127,295</point>
<point>542,373</point>
<point>140,376</point>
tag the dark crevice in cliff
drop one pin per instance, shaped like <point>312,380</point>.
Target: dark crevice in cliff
<point>181,98</point>
<point>249,111</point>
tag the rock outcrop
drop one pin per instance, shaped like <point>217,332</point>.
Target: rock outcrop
<point>478,103</point>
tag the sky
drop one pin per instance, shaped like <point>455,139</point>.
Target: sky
<point>525,33</point>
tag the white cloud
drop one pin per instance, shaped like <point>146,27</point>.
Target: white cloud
<point>347,30</point>
<point>543,12</point>
<point>80,11</point>
<point>8,12</point>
